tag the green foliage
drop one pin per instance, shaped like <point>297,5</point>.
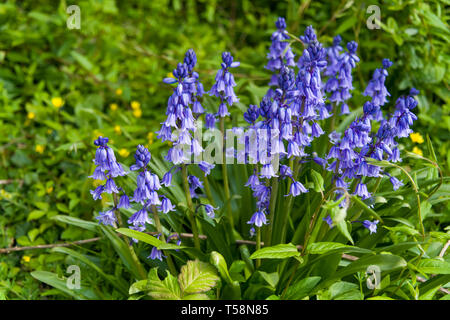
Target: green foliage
<point>195,280</point>
<point>61,88</point>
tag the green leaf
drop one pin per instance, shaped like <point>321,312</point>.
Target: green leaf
<point>323,247</point>
<point>219,262</point>
<point>53,280</point>
<point>386,263</point>
<point>167,289</point>
<point>118,284</point>
<point>88,225</point>
<point>318,181</point>
<point>196,277</point>
<point>302,288</point>
<point>343,229</point>
<point>271,278</point>
<point>280,251</point>
<point>82,60</point>
<point>141,236</point>
<point>434,266</point>
<point>35,214</point>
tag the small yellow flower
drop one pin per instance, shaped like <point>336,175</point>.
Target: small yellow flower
<point>124,153</point>
<point>113,106</point>
<point>416,137</point>
<point>150,137</point>
<point>49,131</point>
<point>57,102</point>
<point>117,129</point>
<point>26,258</point>
<point>169,75</point>
<point>135,105</point>
<point>49,190</point>
<point>417,151</point>
<point>4,194</point>
<point>137,113</point>
<point>119,91</point>
<point>40,148</point>
<point>31,115</point>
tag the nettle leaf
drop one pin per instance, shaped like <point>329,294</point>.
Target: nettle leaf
<point>167,289</point>
<point>197,276</point>
<point>280,251</point>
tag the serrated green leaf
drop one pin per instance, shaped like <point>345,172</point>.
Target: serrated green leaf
<point>197,276</point>
<point>167,289</point>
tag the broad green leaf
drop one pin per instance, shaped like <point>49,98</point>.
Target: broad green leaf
<point>271,278</point>
<point>219,262</point>
<point>88,225</point>
<point>318,181</point>
<point>53,280</point>
<point>280,251</point>
<point>323,247</point>
<point>434,266</point>
<point>141,236</point>
<point>386,263</point>
<point>167,289</point>
<point>196,277</point>
<point>79,256</point>
<point>302,288</point>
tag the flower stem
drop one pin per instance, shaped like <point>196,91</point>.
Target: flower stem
<point>158,226</point>
<point>258,244</point>
<point>226,186</point>
<point>208,192</point>
<point>273,201</point>
<point>191,215</point>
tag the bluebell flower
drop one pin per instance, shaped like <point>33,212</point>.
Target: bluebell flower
<point>97,193</point>
<point>329,221</point>
<point>396,183</point>
<point>223,87</point>
<point>107,218</point>
<point>253,181</point>
<point>340,82</point>
<point>167,179</point>
<point>371,226</point>
<point>206,167</point>
<point>124,202</point>
<point>361,190</point>
<point>140,217</point>
<point>210,121</point>
<point>166,205</point>
<point>142,157</point>
<point>258,219</point>
<point>297,188</point>
<point>156,254</point>
<point>210,210</point>
<point>376,88</point>
<point>280,53</point>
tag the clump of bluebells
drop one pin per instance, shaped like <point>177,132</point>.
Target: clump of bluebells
<point>298,113</point>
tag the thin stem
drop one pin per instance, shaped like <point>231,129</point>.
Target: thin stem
<point>158,226</point>
<point>258,244</point>
<point>135,258</point>
<point>208,191</point>
<point>191,215</point>
<point>273,201</point>
<point>226,186</point>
